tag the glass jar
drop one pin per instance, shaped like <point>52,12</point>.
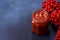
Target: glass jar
<point>40,22</point>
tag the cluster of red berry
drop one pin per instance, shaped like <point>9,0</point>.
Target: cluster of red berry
<point>57,35</point>
<point>50,5</point>
<point>55,17</point>
<point>53,9</point>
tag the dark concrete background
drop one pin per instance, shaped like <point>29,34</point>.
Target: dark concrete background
<point>15,22</point>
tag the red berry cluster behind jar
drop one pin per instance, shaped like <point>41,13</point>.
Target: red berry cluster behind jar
<point>55,17</point>
<point>50,5</point>
<point>57,36</point>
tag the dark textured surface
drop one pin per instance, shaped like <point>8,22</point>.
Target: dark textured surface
<point>15,22</point>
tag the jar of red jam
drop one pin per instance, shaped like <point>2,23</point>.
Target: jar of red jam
<point>40,22</point>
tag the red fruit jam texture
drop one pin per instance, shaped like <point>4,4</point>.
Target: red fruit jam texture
<point>40,19</point>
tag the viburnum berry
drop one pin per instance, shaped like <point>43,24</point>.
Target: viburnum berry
<point>55,17</point>
<point>50,5</point>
